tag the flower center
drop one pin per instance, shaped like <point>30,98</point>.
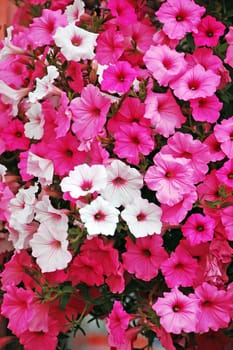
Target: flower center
<point>141,216</point>
<point>99,216</point>
<point>76,40</point>
<point>200,228</point>
<point>86,185</point>
<point>230,176</point>
<point>118,181</point>
<point>176,308</point>
<point>193,85</point>
<point>209,33</point>
<point>69,153</point>
<point>167,63</point>
<point>146,252</point>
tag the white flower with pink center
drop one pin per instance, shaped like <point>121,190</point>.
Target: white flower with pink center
<point>40,167</point>
<point>100,217</point>
<point>84,179</point>
<point>76,43</point>
<point>123,184</point>
<point>50,247</point>
<point>142,217</point>
<point>44,86</point>
<point>75,11</point>
<point>34,128</point>
<point>45,211</point>
<point>22,205</point>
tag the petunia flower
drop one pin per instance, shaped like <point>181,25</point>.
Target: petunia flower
<point>209,32</point>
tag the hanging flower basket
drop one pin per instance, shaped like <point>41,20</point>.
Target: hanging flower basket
<point>116,173</point>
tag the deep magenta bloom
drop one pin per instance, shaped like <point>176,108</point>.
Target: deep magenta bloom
<point>209,32</point>
<point>198,228</point>
<point>118,77</point>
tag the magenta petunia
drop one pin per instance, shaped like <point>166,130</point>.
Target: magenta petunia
<point>179,269</point>
<point>225,174</point>
<point>209,32</point>
<point>144,256</point>
<point>206,109</point>
<point>133,140</point>
<point>118,77</point>
<point>179,17</point>
<point>223,133</point>
<point>198,228</point>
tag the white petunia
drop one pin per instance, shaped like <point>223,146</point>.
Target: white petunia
<point>142,217</point>
<point>76,43</point>
<point>99,217</point>
<point>34,128</point>
<point>84,179</point>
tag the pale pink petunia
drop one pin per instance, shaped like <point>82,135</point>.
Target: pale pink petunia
<point>209,32</point>
<point>40,167</point>
<point>229,35</point>
<point>183,145</point>
<point>110,46</point>
<point>89,112</point>
<point>179,269</point>
<point>179,17</point>
<point>117,323</point>
<point>229,56</point>
<point>8,48</point>
<point>50,247</point>
<point>84,179</point>
<point>76,43</point>
<point>12,96</point>
<point>45,211</point>
<point>22,206</point>
<point>223,133</point>
<point>118,77</point>
<point>196,82</point>
<point>164,63</point>
<point>164,112</point>
<point>143,218</point>
<point>176,213</point>
<point>75,11</point>
<point>198,228</point>
<point>100,217</point>
<point>34,128</point>
<point>178,312</point>
<point>131,141</point>
<point>45,86</point>
<point>144,256</point>
<point>206,109</point>
<point>21,234</point>
<point>123,183</point>
<point>170,177</point>
<point>214,308</point>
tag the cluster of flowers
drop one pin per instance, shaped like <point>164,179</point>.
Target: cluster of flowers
<point>116,172</point>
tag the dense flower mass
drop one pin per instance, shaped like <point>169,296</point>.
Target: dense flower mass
<point>116,173</point>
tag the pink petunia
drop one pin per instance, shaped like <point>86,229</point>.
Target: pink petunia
<point>118,77</point>
<point>183,145</point>
<point>195,83</point>
<point>179,269</point>
<point>179,17</point>
<point>14,137</point>
<point>164,112</point>
<point>89,113</point>
<point>206,109</point>
<point>44,27</point>
<point>225,174</point>
<point>206,58</point>
<point>123,12</point>
<point>117,323</point>
<point>176,213</point>
<point>227,221</point>
<point>178,312</point>
<point>123,183</point>
<point>214,308</point>
<point>164,63</point>
<point>223,133</point>
<point>133,140</point>
<point>110,46</point>
<point>142,217</point>
<point>144,256</point>
<point>209,32</point>
<point>198,228</point>
<point>170,177</point>
<point>214,148</point>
